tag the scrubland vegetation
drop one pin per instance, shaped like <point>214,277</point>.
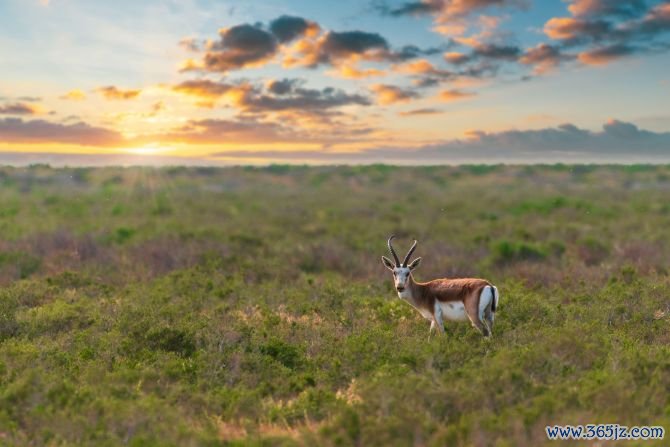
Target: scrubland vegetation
<point>249,306</point>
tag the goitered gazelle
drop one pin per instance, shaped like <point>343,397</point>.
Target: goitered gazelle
<point>444,299</point>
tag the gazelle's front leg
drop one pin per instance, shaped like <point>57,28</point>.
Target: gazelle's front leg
<point>437,321</point>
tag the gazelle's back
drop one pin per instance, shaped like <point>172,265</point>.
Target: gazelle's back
<point>457,289</point>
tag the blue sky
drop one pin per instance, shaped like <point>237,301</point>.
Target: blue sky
<point>354,81</point>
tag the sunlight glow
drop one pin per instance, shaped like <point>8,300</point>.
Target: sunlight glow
<point>145,150</point>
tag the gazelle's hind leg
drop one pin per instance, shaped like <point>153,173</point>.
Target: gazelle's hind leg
<point>472,309</point>
<point>488,317</point>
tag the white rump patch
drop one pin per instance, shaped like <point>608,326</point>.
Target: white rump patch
<point>485,299</point>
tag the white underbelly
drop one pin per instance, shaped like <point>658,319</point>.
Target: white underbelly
<point>453,311</point>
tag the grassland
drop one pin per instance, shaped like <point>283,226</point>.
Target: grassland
<point>249,306</point>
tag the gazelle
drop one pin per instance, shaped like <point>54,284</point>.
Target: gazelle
<point>451,299</point>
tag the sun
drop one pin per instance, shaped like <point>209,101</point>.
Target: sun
<point>145,150</point>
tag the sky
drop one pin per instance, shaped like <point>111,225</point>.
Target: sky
<point>217,82</point>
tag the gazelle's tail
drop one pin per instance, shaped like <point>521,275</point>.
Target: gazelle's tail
<point>496,296</point>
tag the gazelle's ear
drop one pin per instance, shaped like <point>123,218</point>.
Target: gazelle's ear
<point>387,262</point>
<point>415,264</point>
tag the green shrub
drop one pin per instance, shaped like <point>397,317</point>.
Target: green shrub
<point>509,251</point>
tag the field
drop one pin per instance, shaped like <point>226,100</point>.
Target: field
<point>249,306</point>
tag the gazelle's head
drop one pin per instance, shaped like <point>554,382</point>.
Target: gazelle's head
<point>401,272</point>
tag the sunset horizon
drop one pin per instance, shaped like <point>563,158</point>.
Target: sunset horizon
<point>291,81</point>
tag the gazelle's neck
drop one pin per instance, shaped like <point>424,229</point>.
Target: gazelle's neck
<point>412,291</point>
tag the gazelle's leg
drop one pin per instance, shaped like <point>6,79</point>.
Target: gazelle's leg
<point>472,309</point>
<point>488,317</point>
<point>439,323</point>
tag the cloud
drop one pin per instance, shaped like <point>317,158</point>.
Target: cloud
<point>605,55</point>
<point>203,88</point>
<point>190,44</point>
<point>656,21</point>
<point>448,8</point>
<point>608,30</point>
<point>590,8</point>
<point>300,43</point>
<point>289,94</point>
<point>209,92</point>
<point>20,108</point>
<point>212,131</point>
<point>113,93</point>
<point>618,141</point>
<point>544,58</point>
<point>274,96</point>
<point>456,58</point>
<point>454,95</point>
<point>427,75</point>
<point>349,72</point>
<point>335,48</point>
<point>283,86</point>
<point>391,94</point>
<point>565,28</point>
<point>157,108</point>
<point>16,130</point>
<point>248,45</point>
<point>28,98</point>
<point>288,28</point>
<point>493,51</point>
<point>74,95</point>
<point>451,17</point>
<point>415,8</point>
<point>424,67</point>
<point>421,112</point>
<point>240,46</point>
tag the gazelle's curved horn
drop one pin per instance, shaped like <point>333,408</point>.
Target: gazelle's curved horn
<point>409,253</point>
<point>395,256</point>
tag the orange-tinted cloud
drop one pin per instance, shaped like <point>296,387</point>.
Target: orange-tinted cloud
<point>20,108</point>
<point>544,58</point>
<point>351,72</point>
<point>421,112</point>
<point>456,58</point>
<point>336,48</point>
<point>203,88</point>
<point>454,95</point>
<point>248,45</point>
<point>16,130</point>
<point>451,17</point>
<point>421,66</point>
<point>240,46</point>
<point>608,30</point>
<point>74,95</point>
<point>589,8</point>
<point>288,28</point>
<point>617,140</point>
<point>113,93</point>
<point>563,28</point>
<point>274,96</point>
<point>391,94</point>
<point>605,55</point>
<point>209,92</point>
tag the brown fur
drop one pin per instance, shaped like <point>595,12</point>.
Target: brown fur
<point>465,290</point>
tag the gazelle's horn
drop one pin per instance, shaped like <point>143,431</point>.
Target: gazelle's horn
<point>395,256</point>
<point>409,253</point>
